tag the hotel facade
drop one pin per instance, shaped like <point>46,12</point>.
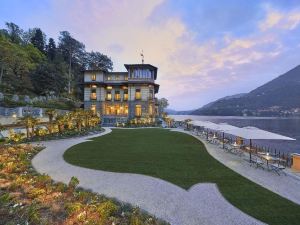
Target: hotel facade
<point>120,97</point>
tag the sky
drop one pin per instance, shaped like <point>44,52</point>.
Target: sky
<point>204,49</point>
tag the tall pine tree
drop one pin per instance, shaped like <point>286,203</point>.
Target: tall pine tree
<point>51,49</point>
<point>38,40</point>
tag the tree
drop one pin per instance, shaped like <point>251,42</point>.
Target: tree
<point>73,52</point>
<point>162,105</point>
<point>50,77</point>
<point>14,32</point>
<point>60,121</point>
<point>51,49</point>
<point>98,61</point>
<point>29,122</point>
<point>38,40</point>
<point>17,61</point>
<point>51,113</point>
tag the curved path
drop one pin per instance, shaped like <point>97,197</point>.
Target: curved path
<point>201,204</point>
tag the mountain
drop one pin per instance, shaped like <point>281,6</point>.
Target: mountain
<point>279,97</point>
<point>224,98</point>
<point>175,112</point>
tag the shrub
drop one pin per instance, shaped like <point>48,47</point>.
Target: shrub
<point>73,183</point>
<point>36,192</point>
<point>106,209</point>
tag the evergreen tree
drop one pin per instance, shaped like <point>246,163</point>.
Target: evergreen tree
<point>38,40</point>
<point>51,49</point>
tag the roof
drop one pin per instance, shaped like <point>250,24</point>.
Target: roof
<point>98,70</point>
<point>148,66</point>
<point>117,73</point>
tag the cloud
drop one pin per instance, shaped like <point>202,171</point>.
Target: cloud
<point>253,44</point>
<point>276,19</point>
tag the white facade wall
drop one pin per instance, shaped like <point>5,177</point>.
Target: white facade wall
<point>145,93</point>
<point>98,93</point>
<point>131,93</point>
<point>88,76</point>
<point>102,94</point>
<point>87,94</point>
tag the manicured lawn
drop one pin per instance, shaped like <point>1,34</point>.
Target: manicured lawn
<point>184,161</point>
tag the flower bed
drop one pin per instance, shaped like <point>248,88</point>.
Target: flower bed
<point>27,197</point>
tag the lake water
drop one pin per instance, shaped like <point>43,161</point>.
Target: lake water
<point>286,126</point>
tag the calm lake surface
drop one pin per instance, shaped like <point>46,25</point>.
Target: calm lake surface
<point>286,126</point>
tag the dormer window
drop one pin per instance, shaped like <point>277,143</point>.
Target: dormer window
<point>93,77</point>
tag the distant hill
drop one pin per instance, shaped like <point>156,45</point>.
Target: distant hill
<point>175,112</point>
<point>279,97</point>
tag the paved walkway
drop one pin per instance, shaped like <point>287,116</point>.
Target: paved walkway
<point>286,186</point>
<point>201,204</point>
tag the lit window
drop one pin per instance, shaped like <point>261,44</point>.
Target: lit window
<point>151,109</point>
<point>138,110</point>
<point>94,86</point>
<point>93,77</point>
<point>108,77</point>
<point>125,98</point>
<point>126,77</point>
<point>109,87</point>
<point>117,96</point>
<point>138,94</point>
<point>108,95</point>
<point>93,108</point>
<point>93,95</point>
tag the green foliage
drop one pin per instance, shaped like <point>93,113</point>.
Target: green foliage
<point>5,198</point>
<point>107,209</point>
<point>38,40</point>
<point>50,77</point>
<point>73,207</point>
<point>33,214</point>
<point>29,66</point>
<point>98,61</point>
<point>74,182</point>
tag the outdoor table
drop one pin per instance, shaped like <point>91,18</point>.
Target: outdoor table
<point>268,158</point>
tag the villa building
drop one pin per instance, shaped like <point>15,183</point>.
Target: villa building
<point>119,97</point>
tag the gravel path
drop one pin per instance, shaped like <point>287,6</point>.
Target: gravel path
<point>202,204</point>
<point>286,186</point>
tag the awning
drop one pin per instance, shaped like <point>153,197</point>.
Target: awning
<point>254,133</point>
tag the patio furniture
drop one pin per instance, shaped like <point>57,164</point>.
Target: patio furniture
<point>254,133</point>
<point>256,160</point>
<point>277,167</point>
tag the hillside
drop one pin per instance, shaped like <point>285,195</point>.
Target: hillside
<point>279,97</point>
